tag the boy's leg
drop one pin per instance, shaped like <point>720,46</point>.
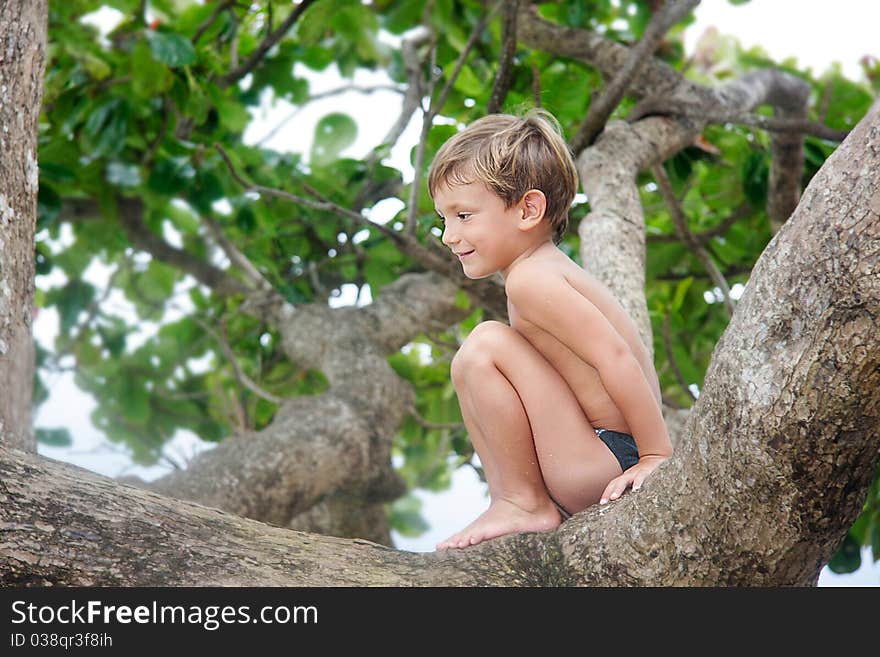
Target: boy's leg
<point>530,433</point>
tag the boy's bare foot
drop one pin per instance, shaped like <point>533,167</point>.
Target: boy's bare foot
<point>504,517</point>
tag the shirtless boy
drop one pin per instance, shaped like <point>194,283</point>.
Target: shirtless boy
<point>563,405</point>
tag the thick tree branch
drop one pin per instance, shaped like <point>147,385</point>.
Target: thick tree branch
<point>653,79</point>
<point>64,526</point>
<point>789,410</point>
<point>601,108</point>
<point>773,124</point>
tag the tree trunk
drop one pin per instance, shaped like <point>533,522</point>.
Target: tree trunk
<point>772,469</point>
<point>22,61</point>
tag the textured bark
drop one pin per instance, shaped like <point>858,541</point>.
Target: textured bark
<point>22,60</point>
<point>771,471</point>
<point>334,446</point>
<point>781,447</point>
<point>62,525</point>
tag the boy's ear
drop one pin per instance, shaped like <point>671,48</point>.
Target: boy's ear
<point>533,206</point>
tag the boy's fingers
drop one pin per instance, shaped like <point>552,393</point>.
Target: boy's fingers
<point>614,489</point>
<point>607,492</point>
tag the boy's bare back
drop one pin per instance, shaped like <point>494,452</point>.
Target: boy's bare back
<point>557,269</point>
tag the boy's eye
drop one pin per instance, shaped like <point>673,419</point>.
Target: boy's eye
<point>464,215</point>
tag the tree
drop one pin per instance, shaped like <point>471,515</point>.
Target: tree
<point>307,403</point>
<point>23,35</point>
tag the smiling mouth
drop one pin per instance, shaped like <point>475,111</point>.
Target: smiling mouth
<point>465,253</point>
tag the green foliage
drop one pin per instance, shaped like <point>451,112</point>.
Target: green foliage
<point>133,116</point>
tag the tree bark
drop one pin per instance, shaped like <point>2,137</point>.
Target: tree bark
<point>772,469</point>
<point>22,61</point>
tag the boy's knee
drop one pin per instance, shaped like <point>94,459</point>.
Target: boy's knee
<point>478,350</point>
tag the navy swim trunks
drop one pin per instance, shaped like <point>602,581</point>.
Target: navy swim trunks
<point>622,445</point>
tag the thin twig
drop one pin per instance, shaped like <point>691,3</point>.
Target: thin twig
<point>418,163</point>
<point>322,96</point>
<point>326,205</point>
<point>266,44</point>
<point>703,237</point>
<point>680,221</point>
<point>223,6</point>
<point>505,65</point>
<point>243,378</point>
<point>472,41</point>
<point>826,102</point>
<point>236,256</point>
<point>434,108</point>
<point>536,83</point>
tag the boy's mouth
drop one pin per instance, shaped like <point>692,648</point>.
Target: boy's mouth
<point>464,254</point>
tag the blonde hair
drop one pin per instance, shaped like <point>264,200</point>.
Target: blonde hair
<point>511,155</point>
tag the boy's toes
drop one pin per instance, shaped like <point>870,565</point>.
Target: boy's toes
<point>451,542</point>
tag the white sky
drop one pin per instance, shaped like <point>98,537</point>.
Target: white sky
<point>816,32</point>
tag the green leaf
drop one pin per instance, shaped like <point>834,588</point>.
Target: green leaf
<point>171,48</point>
<point>157,283</point>
<point>234,116</point>
<point>333,134</point>
<point>48,206</point>
<point>133,398</point>
<point>54,437</point>
<point>680,292</point>
<point>106,127</point>
<point>403,15</point>
<point>406,518</point>
<point>875,538</point>
<point>149,76</point>
<point>171,175</point>
<point>71,300</point>
<point>467,81</point>
<point>848,557</point>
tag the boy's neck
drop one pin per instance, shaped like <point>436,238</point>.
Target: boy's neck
<point>527,253</point>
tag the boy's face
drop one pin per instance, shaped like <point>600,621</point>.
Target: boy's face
<point>478,228</point>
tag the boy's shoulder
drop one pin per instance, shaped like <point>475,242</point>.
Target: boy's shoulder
<point>537,273</point>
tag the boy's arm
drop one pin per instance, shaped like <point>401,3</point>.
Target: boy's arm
<point>548,300</point>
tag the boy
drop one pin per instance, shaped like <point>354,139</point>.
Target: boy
<point>563,405</point>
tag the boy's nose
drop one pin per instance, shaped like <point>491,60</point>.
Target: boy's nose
<point>448,238</point>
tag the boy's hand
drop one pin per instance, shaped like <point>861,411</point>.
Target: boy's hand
<point>634,475</point>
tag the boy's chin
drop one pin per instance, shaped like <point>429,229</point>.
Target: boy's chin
<point>476,277</point>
